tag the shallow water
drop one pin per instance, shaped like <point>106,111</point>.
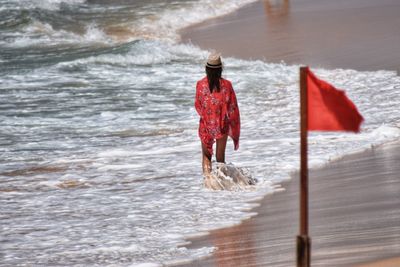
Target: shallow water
<point>100,159</point>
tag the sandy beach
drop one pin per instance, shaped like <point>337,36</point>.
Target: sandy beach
<point>356,34</point>
<point>354,214</point>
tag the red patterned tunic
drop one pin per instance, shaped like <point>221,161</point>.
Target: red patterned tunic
<point>219,113</point>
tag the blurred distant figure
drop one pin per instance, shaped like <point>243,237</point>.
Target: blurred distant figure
<point>277,8</point>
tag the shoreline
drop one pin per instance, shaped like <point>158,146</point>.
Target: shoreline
<point>314,33</point>
<point>229,34</point>
<point>392,262</point>
<point>269,237</point>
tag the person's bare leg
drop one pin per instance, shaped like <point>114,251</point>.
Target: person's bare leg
<point>221,145</point>
<point>206,160</point>
<point>210,181</point>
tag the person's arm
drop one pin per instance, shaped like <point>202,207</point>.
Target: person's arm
<point>234,118</point>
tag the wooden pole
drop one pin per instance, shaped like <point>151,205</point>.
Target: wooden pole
<point>303,241</point>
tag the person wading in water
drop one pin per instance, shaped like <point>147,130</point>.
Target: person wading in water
<point>217,107</point>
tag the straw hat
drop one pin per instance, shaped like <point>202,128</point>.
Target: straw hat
<point>214,60</point>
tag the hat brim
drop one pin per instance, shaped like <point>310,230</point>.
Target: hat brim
<point>217,66</point>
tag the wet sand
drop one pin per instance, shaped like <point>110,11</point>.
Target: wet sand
<point>354,202</point>
<point>395,262</point>
<point>354,218</point>
<point>350,34</point>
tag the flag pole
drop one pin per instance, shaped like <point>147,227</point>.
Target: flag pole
<point>303,240</point>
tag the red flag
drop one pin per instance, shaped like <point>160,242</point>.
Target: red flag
<point>329,109</point>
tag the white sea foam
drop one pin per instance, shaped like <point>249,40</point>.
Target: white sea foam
<point>49,4</point>
<point>167,23</point>
<point>385,132</point>
<point>42,34</point>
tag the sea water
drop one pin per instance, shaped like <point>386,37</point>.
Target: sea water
<point>100,159</point>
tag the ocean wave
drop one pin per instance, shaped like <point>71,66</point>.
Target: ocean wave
<point>166,24</point>
<point>14,19</point>
<point>40,22</point>
<point>143,53</point>
<point>49,4</point>
<point>43,34</point>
